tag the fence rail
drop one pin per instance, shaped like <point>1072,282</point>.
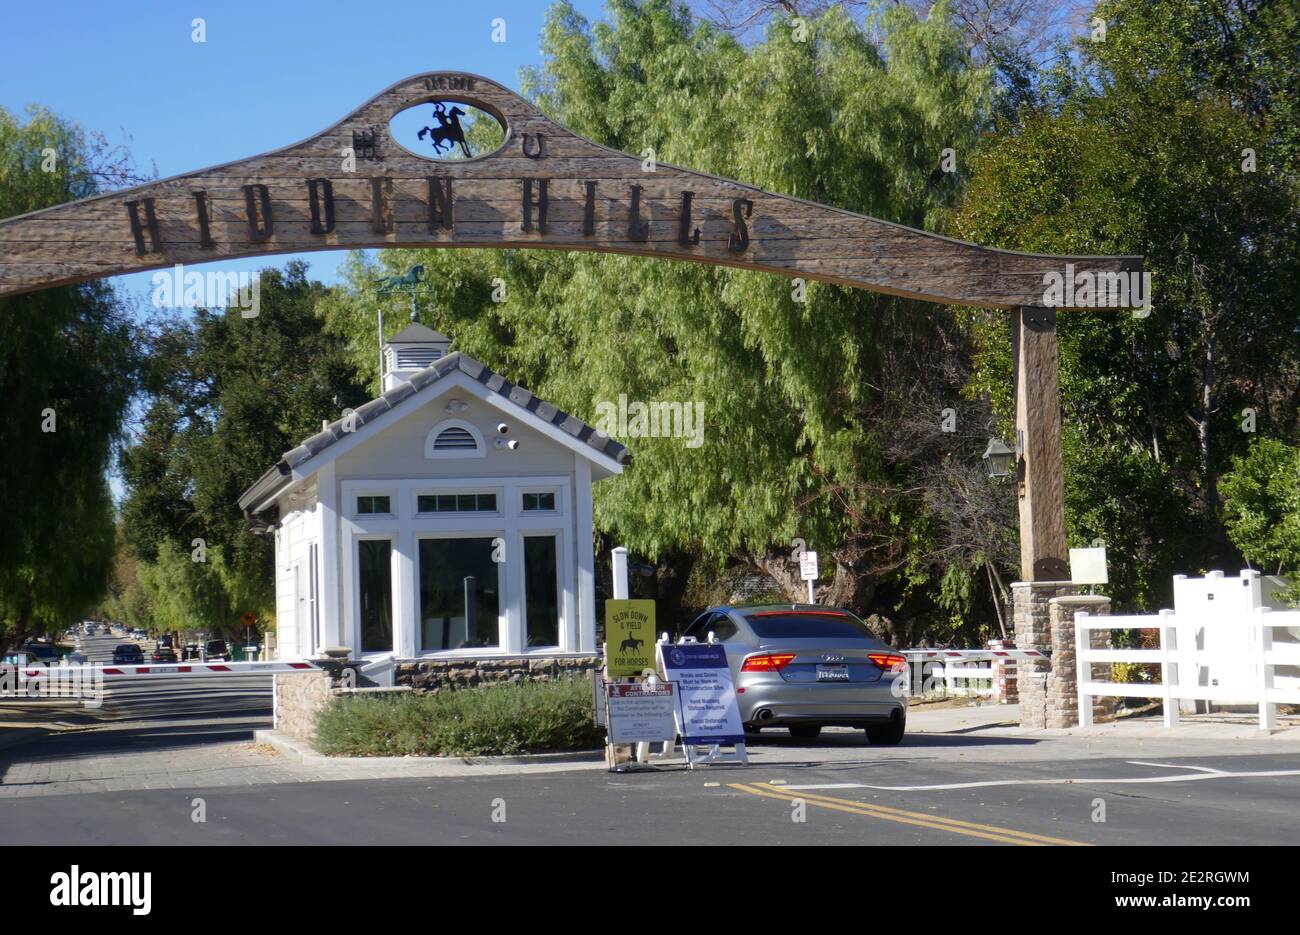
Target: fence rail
<point>969,667</point>
<point>1260,652</point>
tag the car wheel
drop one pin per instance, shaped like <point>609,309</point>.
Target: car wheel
<point>887,734</point>
<point>805,731</point>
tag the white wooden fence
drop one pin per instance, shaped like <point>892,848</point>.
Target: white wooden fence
<point>1251,644</point>
<point>958,672</point>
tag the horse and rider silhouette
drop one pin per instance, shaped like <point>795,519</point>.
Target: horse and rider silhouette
<point>447,132</point>
<point>631,644</point>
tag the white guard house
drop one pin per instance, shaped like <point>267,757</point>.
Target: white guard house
<point>449,518</point>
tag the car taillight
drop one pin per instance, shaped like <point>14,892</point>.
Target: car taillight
<point>771,662</point>
<point>889,662</point>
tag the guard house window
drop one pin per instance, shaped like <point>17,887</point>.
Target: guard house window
<point>539,502</point>
<point>373,504</point>
<point>457,503</point>
<point>375,579</point>
<point>541,591</point>
<point>460,596</point>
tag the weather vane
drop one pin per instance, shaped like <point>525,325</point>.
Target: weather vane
<point>410,281</point>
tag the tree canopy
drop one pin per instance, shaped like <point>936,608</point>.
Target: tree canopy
<point>67,365</point>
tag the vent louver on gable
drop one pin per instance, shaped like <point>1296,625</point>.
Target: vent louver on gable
<point>416,357</point>
<point>454,439</point>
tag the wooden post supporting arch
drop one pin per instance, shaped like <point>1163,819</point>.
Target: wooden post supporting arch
<point>355,185</point>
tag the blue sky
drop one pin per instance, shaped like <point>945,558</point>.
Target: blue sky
<point>269,74</point>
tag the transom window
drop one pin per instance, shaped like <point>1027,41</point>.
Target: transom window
<point>373,504</point>
<point>457,503</point>
<point>543,501</point>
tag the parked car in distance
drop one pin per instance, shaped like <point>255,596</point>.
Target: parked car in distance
<point>805,667</point>
<point>42,652</point>
<point>190,651</point>
<point>218,650</point>
<point>19,658</point>
<point>164,654</point>
<point>165,640</point>
<point>128,654</point>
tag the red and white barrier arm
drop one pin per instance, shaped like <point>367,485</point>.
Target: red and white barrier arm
<point>168,668</point>
<point>970,655</point>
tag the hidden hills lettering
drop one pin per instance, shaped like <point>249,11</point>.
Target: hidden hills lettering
<point>312,207</point>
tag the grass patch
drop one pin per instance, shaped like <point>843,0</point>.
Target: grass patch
<point>498,720</point>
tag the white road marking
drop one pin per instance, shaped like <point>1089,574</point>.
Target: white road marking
<point>1082,780</point>
<point>831,785</point>
<point>1203,769</point>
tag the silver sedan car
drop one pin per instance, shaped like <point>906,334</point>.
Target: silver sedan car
<point>805,667</point>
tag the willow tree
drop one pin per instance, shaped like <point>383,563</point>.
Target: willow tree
<point>66,366</point>
<point>784,371</point>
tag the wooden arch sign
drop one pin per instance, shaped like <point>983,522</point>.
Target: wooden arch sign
<point>355,185</point>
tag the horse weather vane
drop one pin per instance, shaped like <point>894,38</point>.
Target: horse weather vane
<point>447,133</point>
<point>410,281</point>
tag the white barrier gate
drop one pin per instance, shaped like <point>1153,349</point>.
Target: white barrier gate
<point>960,665</point>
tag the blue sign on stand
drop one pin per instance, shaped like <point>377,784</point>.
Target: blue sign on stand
<point>706,696</point>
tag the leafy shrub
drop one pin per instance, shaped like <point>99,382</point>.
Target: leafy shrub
<point>536,717</point>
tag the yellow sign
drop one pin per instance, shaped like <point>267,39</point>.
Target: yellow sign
<point>629,637</point>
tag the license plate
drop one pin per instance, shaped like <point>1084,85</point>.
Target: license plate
<point>832,673</point>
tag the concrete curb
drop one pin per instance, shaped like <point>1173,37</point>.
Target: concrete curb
<point>308,755</point>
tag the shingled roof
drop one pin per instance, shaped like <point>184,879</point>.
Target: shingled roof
<point>280,476</point>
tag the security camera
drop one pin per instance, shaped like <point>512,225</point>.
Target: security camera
<point>512,444</point>
<point>502,428</point>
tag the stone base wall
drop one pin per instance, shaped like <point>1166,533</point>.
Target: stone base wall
<point>1062,703</point>
<point>433,675</point>
<point>1031,613</point>
<point>1044,615</point>
<point>299,699</point>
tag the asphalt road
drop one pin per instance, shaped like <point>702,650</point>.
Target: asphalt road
<point>717,806</point>
<point>930,791</point>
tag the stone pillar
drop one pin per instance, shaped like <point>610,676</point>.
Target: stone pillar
<point>299,698</point>
<point>1062,683</point>
<point>1031,614</point>
<point>1004,674</point>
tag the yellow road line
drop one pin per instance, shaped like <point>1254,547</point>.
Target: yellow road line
<point>958,822</point>
<point>918,819</point>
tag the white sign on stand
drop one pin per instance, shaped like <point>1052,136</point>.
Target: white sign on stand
<point>707,713</point>
<point>640,712</point>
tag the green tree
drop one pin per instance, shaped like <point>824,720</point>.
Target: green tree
<point>790,446</point>
<point>228,396</point>
<point>1263,508</point>
<point>67,367</point>
<point>1147,154</point>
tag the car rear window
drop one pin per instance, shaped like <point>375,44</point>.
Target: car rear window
<point>810,624</point>
<point>127,648</point>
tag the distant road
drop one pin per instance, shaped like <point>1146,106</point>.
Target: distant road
<point>184,698</point>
